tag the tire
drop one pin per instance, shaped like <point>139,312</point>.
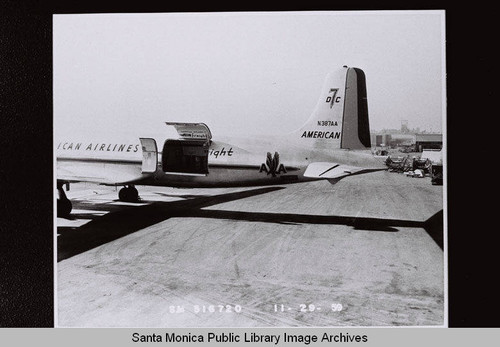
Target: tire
<point>133,194</point>
<point>64,207</point>
<point>123,194</point>
<point>128,194</point>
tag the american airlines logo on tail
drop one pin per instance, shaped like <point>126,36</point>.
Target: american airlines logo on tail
<point>272,165</point>
<point>334,98</point>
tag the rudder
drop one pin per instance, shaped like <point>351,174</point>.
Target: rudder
<point>356,127</point>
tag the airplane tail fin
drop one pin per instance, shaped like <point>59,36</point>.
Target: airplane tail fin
<point>340,118</point>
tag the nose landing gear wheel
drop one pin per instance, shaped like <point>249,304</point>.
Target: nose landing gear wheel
<point>128,194</point>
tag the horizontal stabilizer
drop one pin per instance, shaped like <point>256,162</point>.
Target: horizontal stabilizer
<point>333,170</point>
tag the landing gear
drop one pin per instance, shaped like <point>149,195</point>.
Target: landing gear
<point>64,205</point>
<point>128,194</point>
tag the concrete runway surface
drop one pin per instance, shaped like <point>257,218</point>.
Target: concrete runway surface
<point>364,252</point>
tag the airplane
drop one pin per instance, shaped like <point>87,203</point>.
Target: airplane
<point>333,143</point>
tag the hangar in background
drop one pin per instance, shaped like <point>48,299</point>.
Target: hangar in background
<point>428,141</point>
<point>417,141</point>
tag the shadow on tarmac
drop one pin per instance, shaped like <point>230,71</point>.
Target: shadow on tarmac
<point>125,220</point>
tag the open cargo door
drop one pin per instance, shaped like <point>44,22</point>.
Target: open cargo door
<point>187,155</point>
<point>192,131</point>
<point>149,155</point>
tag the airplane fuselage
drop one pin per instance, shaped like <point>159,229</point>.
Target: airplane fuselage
<point>229,164</point>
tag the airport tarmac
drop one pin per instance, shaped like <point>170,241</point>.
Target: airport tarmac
<point>365,252</point>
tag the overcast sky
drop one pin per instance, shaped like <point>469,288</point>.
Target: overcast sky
<point>242,73</point>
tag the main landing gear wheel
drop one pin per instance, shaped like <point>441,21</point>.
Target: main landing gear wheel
<point>64,205</point>
<point>128,194</point>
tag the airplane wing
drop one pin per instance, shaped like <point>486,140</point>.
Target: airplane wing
<point>334,171</point>
<point>74,171</point>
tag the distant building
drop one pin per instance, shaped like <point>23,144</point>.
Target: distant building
<point>402,140</point>
<point>380,140</point>
<point>397,139</point>
<point>428,141</point>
